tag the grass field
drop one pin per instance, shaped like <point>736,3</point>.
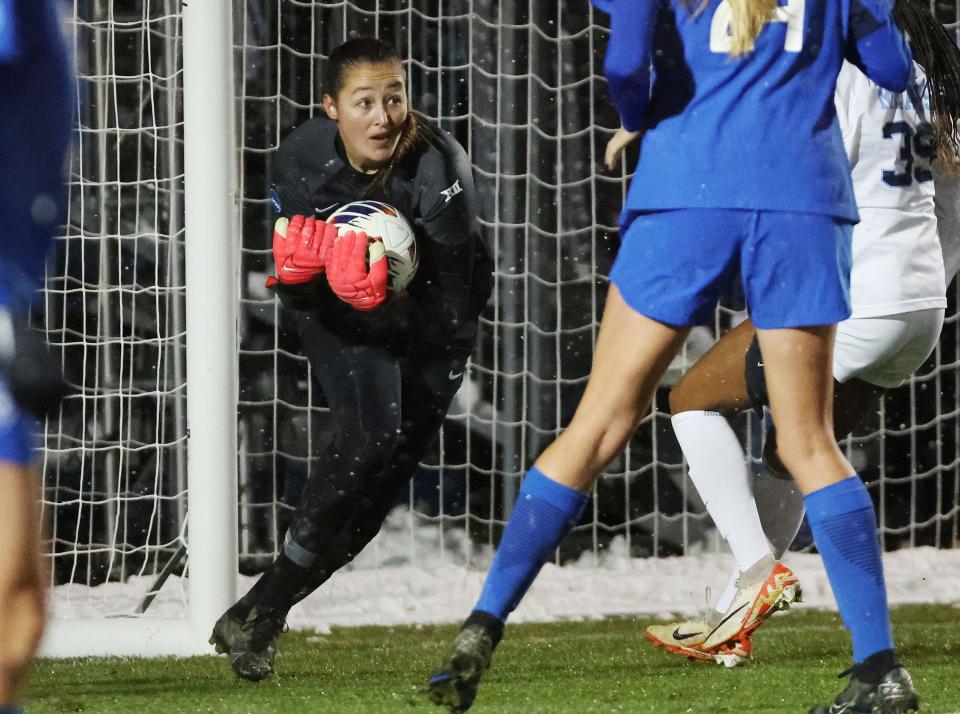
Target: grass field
<point>602,666</point>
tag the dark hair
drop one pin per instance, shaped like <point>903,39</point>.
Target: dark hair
<point>936,52</point>
<point>345,58</point>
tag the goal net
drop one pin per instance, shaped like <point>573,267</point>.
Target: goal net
<point>519,84</point>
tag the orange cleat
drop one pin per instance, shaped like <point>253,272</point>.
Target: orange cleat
<point>763,589</point>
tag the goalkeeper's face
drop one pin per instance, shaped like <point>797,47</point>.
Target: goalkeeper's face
<point>371,110</point>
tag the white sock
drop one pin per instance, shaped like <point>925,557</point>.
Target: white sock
<point>719,471</point>
<point>726,597</point>
<point>780,505</point>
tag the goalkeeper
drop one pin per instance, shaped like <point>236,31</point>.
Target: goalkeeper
<point>388,367</point>
<point>35,119</point>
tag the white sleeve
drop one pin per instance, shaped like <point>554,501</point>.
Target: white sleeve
<point>848,114</point>
<point>947,204</point>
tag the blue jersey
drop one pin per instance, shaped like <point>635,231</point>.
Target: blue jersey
<point>26,27</point>
<point>757,132</point>
<point>35,123</point>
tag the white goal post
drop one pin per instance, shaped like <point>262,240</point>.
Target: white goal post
<point>193,419</point>
<point>211,263</point>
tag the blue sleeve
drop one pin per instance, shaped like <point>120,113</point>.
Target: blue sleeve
<point>9,45</point>
<point>629,56</point>
<point>877,46</point>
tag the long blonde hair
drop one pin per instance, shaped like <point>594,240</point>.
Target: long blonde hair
<point>747,19</point>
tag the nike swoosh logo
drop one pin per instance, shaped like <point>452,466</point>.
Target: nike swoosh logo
<point>720,624</point>
<point>324,210</point>
<point>291,267</point>
<point>454,375</point>
<point>685,635</point>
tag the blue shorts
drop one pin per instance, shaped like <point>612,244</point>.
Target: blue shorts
<point>673,266</point>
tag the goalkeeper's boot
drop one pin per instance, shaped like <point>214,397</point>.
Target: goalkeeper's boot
<point>253,658</point>
<point>685,639</point>
<point>764,588</point>
<point>228,632</point>
<point>454,683</point>
<point>893,694</point>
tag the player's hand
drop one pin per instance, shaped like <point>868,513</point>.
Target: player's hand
<point>300,246</point>
<point>616,145</point>
<point>348,275</point>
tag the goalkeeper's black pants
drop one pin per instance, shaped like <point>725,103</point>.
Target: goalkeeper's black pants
<point>387,407</point>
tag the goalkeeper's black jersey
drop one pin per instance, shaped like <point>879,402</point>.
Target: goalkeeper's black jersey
<point>432,186</point>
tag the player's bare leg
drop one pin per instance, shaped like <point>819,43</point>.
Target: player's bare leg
<point>631,356</point>
<point>715,386</point>
<point>21,584</point>
<point>800,385</point>
<point>797,363</point>
<point>632,353</point>
<point>716,381</point>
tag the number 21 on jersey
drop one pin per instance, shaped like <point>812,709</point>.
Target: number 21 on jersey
<point>791,14</point>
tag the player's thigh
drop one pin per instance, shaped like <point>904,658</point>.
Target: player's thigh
<point>796,269</point>
<point>717,381</point>
<point>885,351</point>
<point>673,266</point>
<point>431,376</point>
<point>632,353</point>
<point>800,389</point>
<point>796,364</point>
<point>361,383</point>
<point>18,529</point>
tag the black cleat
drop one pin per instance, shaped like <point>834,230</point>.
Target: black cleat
<point>893,694</point>
<point>227,633</point>
<point>454,683</point>
<point>252,657</point>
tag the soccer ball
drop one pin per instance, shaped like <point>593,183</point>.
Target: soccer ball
<point>380,220</point>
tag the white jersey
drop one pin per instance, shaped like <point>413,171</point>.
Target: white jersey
<point>897,261</point>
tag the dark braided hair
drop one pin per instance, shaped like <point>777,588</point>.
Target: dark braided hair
<point>937,53</point>
<point>345,58</point>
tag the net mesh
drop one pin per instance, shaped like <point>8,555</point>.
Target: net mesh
<point>114,456</point>
<point>519,84</point>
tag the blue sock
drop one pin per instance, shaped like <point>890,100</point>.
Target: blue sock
<point>545,513</point>
<point>11,709</point>
<point>844,527</point>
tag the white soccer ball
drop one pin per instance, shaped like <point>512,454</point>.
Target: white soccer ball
<point>383,221</point>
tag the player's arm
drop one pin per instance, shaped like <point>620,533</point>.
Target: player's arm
<point>448,213</point>
<point>616,146</point>
<point>877,46</point>
<point>629,57</point>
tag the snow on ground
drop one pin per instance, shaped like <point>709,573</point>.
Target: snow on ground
<point>387,585</point>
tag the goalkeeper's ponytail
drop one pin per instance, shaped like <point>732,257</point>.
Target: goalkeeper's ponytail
<point>409,137</point>
<point>345,58</point>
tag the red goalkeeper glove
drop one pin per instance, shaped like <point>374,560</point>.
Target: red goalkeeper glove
<point>347,273</point>
<point>299,248</point>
